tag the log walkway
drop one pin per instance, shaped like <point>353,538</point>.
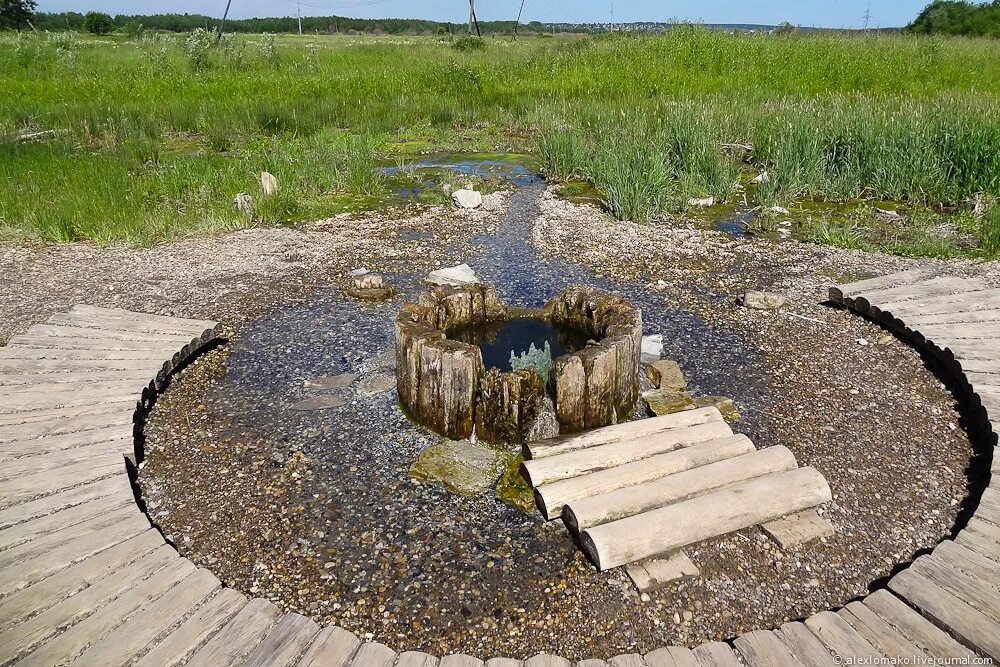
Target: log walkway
<point>86,579</point>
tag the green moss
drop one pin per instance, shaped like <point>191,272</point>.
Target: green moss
<point>667,401</point>
<point>725,406</point>
<point>459,466</point>
<point>513,489</point>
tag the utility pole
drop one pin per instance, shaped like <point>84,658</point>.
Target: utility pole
<point>218,35</point>
<point>298,12</point>
<point>867,16</point>
<point>472,18</point>
<point>518,21</point>
<point>612,15</point>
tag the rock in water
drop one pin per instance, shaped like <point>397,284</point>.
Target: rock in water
<point>701,201</point>
<point>762,300</point>
<point>330,382</point>
<point>513,489</point>
<point>466,198</point>
<point>455,275</point>
<point>268,183</point>
<point>370,287</point>
<point>652,348</point>
<point>459,466</point>
<point>667,402</point>
<point>666,374</point>
<point>724,405</point>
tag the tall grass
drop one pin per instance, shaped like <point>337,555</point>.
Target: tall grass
<point>160,135</point>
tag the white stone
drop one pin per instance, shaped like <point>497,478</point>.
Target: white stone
<point>652,348</point>
<point>466,198</point>
<point>779,210</point>
<point>268,183</point>
<point>455,275</point>
<point>763,178</point>
<point>359,272</point>
<point>701,201</point>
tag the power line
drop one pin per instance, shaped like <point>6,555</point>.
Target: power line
<point>867,16</point>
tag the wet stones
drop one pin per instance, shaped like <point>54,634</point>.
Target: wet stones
<point>757,300</point>
<point>467,198</point>
<point>369,287</point>
<point>455,275</point>
<point>666,374</point>
<point>459,466</point>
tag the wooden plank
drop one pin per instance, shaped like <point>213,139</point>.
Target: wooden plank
<point>970,562</point>
<point>55,366</point>
<point>671,656</point>
<point>47,400</point>
<point>120,325</point>
<point>880,282</point>
<point>145,624</point>
<point>239,636</point>
<point>625,660</point>
<point>286,641</point>
<point>503,662</point>
<point>174,648</point>
<point>803,644</point>
<point>551,498</point>
<point>65,646</point>
<point>373,654</point>
<point>625,431</point>
<point>120,313</point>
<point>653,574</point>
<point>976,594</point>
<point>563,466</point>
<point>61,585</point>
<point>62,520</point>
<point>977,541</point>
<point>416,659</point>
<point>25,380</point>
<point>61,425</point>
<point>968,624</point>
<point>41,354</point>
<point>28,341</point>
<point>544,660</point>
<point>977,297</point>
<point>797,529</point>
<point>762,648</point>
<point>606,507</point>
<point>841,638</point>
<point>23,565</point>
<point>333,647</point>
<point>50,461</point>
<point>47,482</point>
<point>123,405</point>
<point>77,333</point>
<point>945,333</point>
<point>459,660</point>
<point>960,317</point>
<point>22,637</point>
<point>931,639</point>
<point>675,526</point>
<point>12,449</point>
<point>889,641</point>
<point>102,488</point>
<point>923,289</point>
<point>591,662</point>
<point>716,654</point>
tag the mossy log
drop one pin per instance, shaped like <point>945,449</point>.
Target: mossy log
<point>508,404</point>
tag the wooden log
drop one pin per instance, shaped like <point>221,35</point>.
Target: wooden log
<point>333,647</point>
<point>838,293</point>
<point>543,660</point>
<point>416,659</point>
<point>593,511</point>
<point>671,656</point>
<point>930,638</point>
<point>885,638</point>
<point>508,405</point>
<point>570,386</point>
<point>174,648</point>
<point>551,498</point>
<point>675,526</point>
<point>374,654</point>
<point>803,644</point>
<point>564,444</point>
<point>838,636</point>
<point>239,636</point>
<point>286,641</point>
<point>762,648</point>
<point>982,597</point>
<point>460,660</point>
<point>716,654</point>
<point>563,466</point>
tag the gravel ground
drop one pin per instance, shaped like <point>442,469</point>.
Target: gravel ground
<point>314,509</point>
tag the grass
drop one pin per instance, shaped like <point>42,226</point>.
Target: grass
<point>162,133</point>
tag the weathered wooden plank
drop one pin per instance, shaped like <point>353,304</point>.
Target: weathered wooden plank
<point>982,543</point>
<point>960,301</point>
<point>373,654</point>
<point>968,624</point>
<point>66,646</point>
<point>930,638</point>
<point>625,660</point>
<point>976,593</point>
<point>174,648</point>
<point>62,520</point>
<point>46,482</point>
<point>25,564</point>
<point>239,636</point>
<point>591,662</point>
<point>551,498</point>
<point>716,654</point>
<point>837,293</point>
<point>762,648</point>
<point>889,641</point>
<point>64,425</point>
<point>13,449</point>
<point>122,406</point>
<point>86,333</point>
<point>798,529</point>
<point>133,316</point>
<point>944,334</point>
<point>503,662</point>
<point>655,573</point>
<point>40,354</point>
<point>918,322</point>
<point>671,656</point>
<point>26,380</point>
<point>416,659</point>
<point>333,647</point>
<point>675,526</point>
<point>839,637</point>
<point>625,431</point>
<point>28,341</point>
<point>55,366</point>
<point>124,326</point>
<point>61,585</point>
<point>563,466</point>
<point>286,641</point>
<point>544,660</point>
<point>41,507</point>
<point>923,290</point>
<point>803,644</point>
<point>15,408</point>
<point>143,625</point>
<point>52,461</point>
<point>970,562</point>
<point>599,509</point>
<point>18,639</point>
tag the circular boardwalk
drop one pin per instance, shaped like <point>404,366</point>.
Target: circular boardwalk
<point>86,579</point>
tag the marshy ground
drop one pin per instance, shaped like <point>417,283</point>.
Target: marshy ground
<point>315,509</point>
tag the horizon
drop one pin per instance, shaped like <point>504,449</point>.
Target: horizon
<point>849,15</point>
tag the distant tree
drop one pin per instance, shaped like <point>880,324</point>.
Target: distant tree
<point>785,28</point>
<point>98,23</point>
<point>957,17</point>
<point>134,29</point>
<point>16,14</point>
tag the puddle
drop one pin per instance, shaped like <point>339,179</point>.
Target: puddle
<point>414,175</point>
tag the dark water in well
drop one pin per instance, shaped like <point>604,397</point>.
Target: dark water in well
<point>499,340</point>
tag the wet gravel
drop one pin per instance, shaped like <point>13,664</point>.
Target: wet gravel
<point>314,508</point>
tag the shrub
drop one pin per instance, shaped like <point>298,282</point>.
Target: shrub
<point>989,233</point>
<point>98,23</point>
<point>134,30</point>
<point>198,46</point>
<point>469,43</point>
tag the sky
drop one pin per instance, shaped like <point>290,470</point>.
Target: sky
<point>824,13</point>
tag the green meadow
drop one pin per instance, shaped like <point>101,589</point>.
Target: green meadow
<point>152,137</point>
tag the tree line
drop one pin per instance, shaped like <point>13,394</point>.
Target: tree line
<point>958,17</point>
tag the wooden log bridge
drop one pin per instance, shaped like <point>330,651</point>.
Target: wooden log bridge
<point>646,488</point>
<point>86,580</point>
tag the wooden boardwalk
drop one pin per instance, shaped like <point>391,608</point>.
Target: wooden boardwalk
<point>85,579</point>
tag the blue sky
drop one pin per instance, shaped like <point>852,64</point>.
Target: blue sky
<point>842,13</point>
